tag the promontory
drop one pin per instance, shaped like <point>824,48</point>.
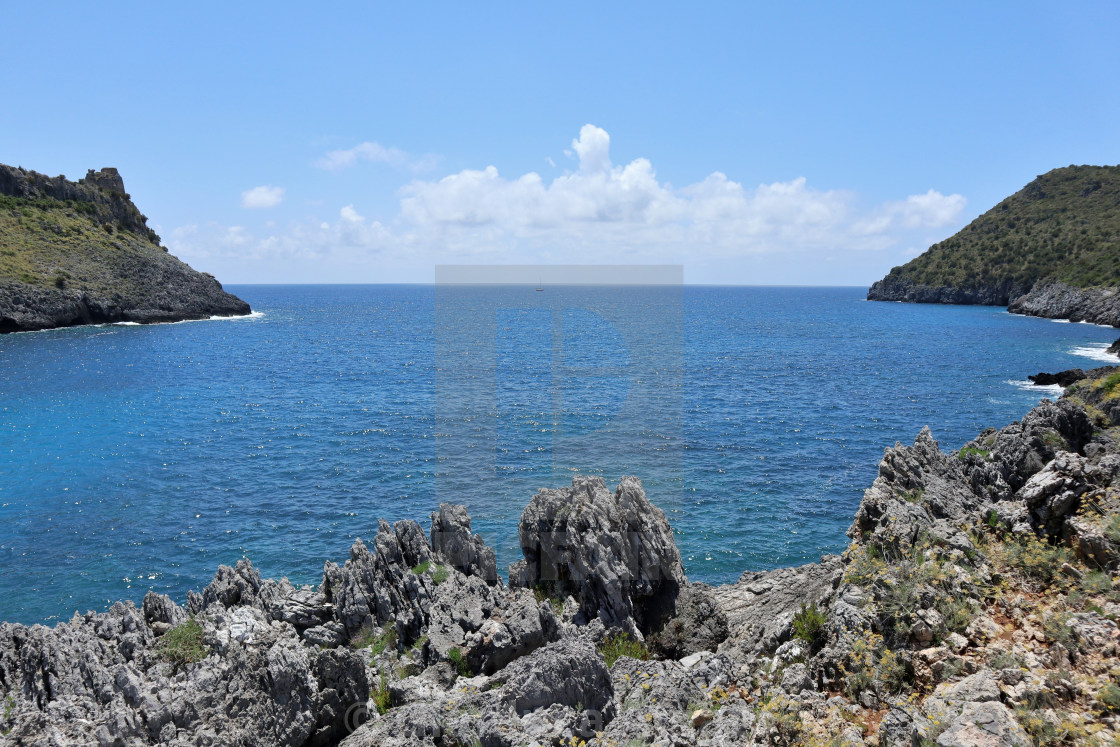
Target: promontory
<point>82,253</point>
<point>1052,249</point>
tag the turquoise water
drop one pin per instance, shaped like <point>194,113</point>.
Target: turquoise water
<point>136,458</point>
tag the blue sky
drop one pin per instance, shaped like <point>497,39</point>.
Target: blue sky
<point>792,143</point>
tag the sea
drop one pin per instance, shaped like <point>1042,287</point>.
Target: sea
<point>137,458</point>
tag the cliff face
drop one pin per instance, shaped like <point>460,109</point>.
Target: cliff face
<point>1055,242</point>
<point>976,605</point>
<point>1061,301</point>
<point>81,253</point>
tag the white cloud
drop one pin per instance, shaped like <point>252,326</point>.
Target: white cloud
<point>931,210</point>
<point>599,212</point>
<point>262,197</point>
<point>376,153</point>
<point>350,215</point>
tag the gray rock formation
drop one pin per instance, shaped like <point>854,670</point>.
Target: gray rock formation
<point>893,289</point>
<point>452,540</point>
<point>698,623</point>
<point>613,552</point>
<point>1062,301</point>
<point>760,606</point>
<point>104,679</point>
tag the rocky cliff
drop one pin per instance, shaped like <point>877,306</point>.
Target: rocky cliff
<point>81,253</point>
<point>1052,249</point>
<point>975,605</point>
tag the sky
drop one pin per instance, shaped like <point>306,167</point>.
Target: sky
<point>752,143</point>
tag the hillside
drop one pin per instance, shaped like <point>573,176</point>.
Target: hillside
<point>1060,231</point>
<point>81,252</point>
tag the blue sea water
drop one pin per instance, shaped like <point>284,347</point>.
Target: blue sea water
<point>141,457</point>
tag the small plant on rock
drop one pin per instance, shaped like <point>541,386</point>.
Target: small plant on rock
<point>421,568</point>
<point>381,697</point>
<point>462,666</point>
<point>1109,697</point>
<point>1112,528</point>
<point>1005,660</point>
<point>1056,628</point>
<point>1096,582</point>
<point>1037,559</point>
<point>439,575</point>
<point>621,644</point>
<point>808,626</point>
<point>183,644</point>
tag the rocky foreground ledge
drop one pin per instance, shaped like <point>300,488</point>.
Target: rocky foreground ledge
<point>974,606</point>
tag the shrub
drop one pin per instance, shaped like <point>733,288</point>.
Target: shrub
<point>872,666</point>
<point>912,496</point>
<point>376,644</point>
<point>543,590</point>
<point>784,719</point>
<point>1005,660</point>
<point>421,568</point>
<point>957,613</point>
<point>968,451</point>
<point>381,697</point>
<point>183,644</point>
<point>439,575</point>
<point>1096,582</point>
<point>808,626</point>
<point>462,666</point>
<point>1110,382</point>
<point>1054,440</point>
<point>1112,528</point>
<point>621,644</point>
<point>866,566</point>
<point>1037,559</point>
<point>1109,697</point>
<point>1056,628</point>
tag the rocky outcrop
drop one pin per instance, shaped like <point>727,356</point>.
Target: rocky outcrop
<point>1061,378</point>
<point>102,190</point>
<point>760,606</point>
<point>613,552</point>
<point>1051,300</point>
<point>1061,301</point>
<point>85,255</point>
<point>452,540</point>
<point>104,679</point>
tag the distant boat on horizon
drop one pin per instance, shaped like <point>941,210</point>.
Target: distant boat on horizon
<point>539,288</point>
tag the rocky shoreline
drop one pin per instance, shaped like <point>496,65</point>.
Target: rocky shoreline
<point>1047,300</point>
<point>76,253</point>
<point>975,606</point>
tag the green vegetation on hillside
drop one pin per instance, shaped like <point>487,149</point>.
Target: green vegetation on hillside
<point>1065,225</point>
<point>66,243</point>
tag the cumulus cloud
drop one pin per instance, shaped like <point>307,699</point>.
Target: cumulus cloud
<point>262,197</point>
<point>599,211</point>
<point>601,200</point>
<point>372,152</point>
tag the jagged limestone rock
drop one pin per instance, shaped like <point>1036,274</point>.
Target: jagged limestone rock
<point>452,540</point>
<point>613,552</point>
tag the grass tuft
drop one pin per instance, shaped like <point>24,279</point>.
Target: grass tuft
<point>183,644</point>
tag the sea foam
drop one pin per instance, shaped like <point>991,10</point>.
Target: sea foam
<point>1098,351</point>
<point>1044,390</point>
